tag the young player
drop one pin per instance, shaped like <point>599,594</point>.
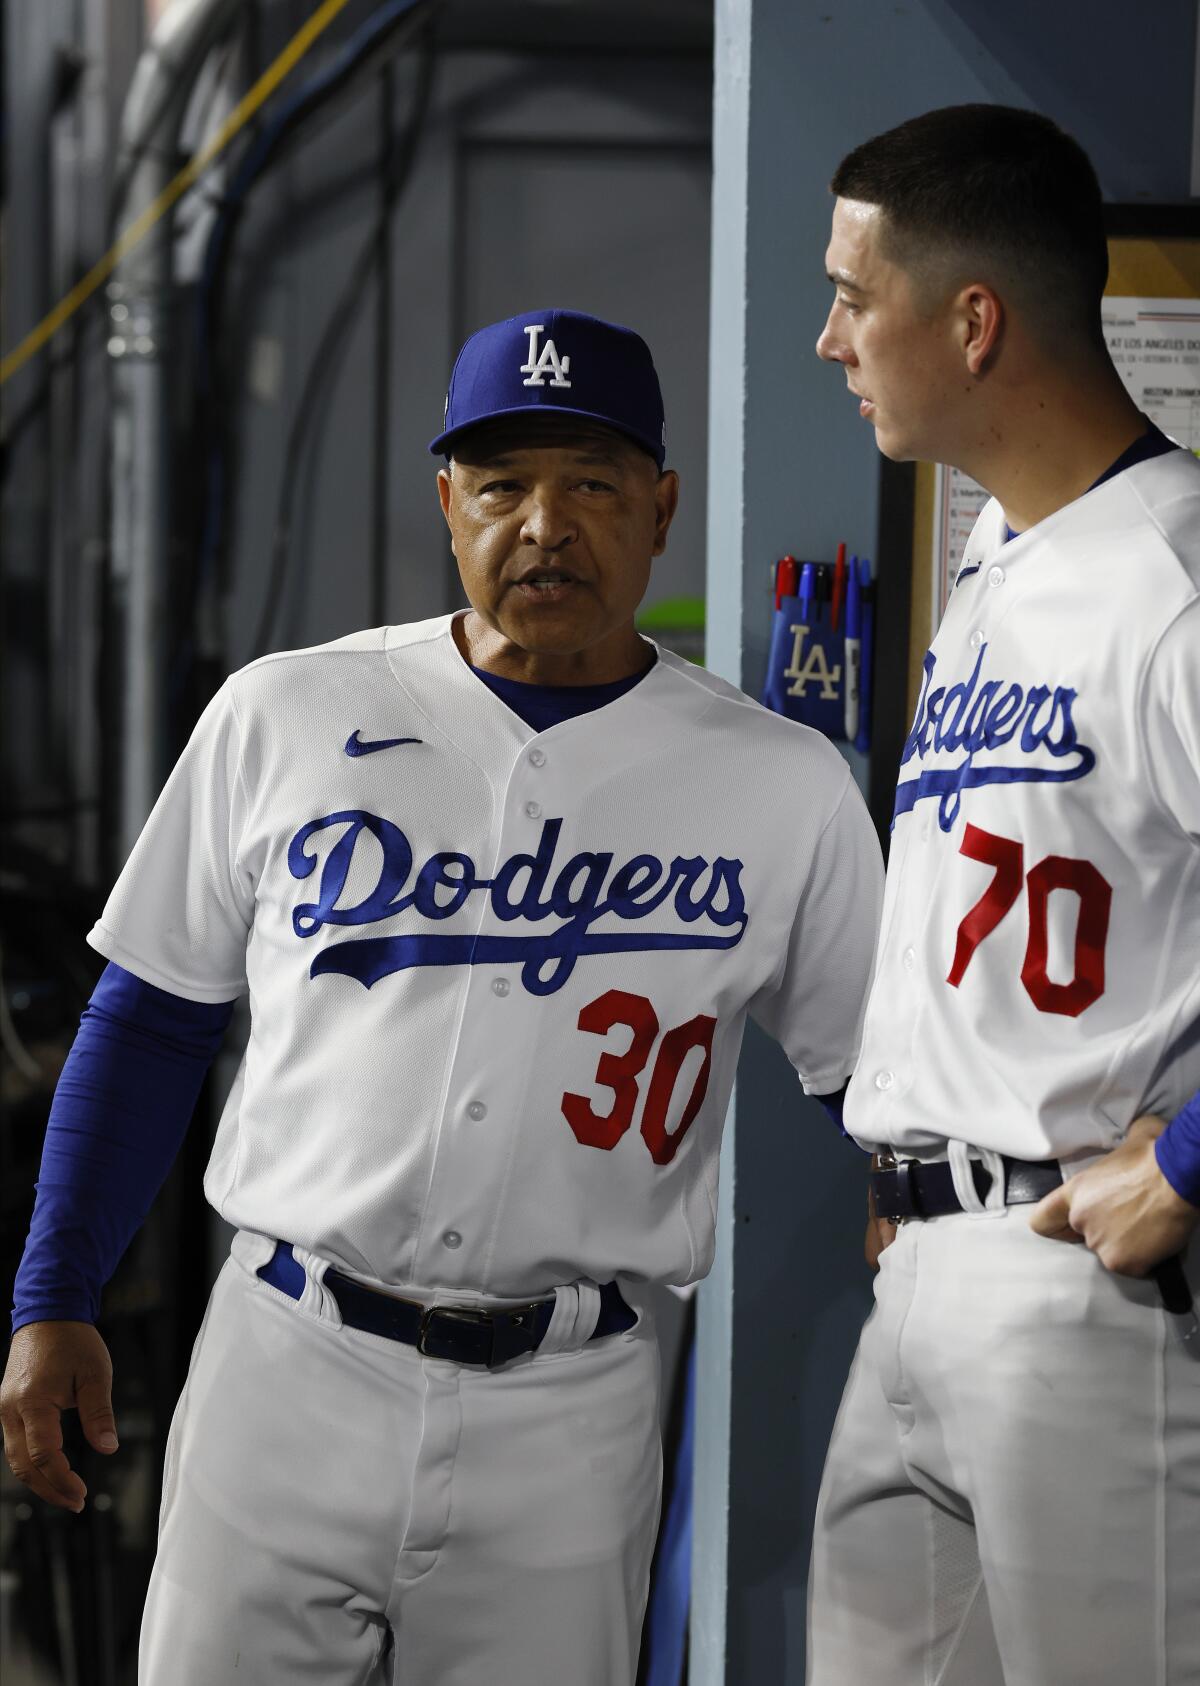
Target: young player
<point>1012,1491</point>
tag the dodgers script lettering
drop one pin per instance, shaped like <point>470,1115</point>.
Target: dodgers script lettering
<point>529,889</point>
<point>976,720</point>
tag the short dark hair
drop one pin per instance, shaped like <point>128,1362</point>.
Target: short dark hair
<point>996,187</point>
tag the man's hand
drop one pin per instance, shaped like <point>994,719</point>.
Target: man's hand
<point>52,1367</point>
<point>881,1232</point>
<point>1122,1208</point>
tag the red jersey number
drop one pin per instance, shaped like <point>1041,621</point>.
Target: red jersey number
<point>1055,872</point>
<point>620,1072</point>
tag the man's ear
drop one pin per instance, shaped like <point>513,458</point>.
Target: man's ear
<point>981,318</point>
<point>445,486</point>
<point>666,501</point>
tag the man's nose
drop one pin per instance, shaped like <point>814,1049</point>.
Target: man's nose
<point>829,347</point>
<point>548,522</point>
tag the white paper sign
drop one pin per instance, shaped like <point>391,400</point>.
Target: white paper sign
<point>1155,344</point>
<point>957,502</point>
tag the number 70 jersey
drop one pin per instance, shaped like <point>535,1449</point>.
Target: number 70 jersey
<point>1037,985</point>
<point>498,978</point>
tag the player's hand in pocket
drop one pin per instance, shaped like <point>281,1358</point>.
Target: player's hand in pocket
<point>1122,1207</point>
<point>881,1232</point>
<point>52,1367</point>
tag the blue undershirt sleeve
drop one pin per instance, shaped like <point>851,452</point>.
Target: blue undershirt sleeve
<point>833,1104</point>
<point>119,1114</point>
<point>1178,1152</point>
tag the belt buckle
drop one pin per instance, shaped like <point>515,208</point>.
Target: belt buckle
<point>435,1340</point>
<point>497,1336</point>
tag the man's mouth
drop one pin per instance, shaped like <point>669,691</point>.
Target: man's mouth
<point>545,585</point>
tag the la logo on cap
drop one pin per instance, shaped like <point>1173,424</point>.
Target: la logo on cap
<point>541,363</point>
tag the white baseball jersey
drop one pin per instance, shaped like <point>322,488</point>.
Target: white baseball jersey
<point>497,978</point>
<point>1038,977</point>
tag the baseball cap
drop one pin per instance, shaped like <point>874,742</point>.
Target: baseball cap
<point>558,361</point>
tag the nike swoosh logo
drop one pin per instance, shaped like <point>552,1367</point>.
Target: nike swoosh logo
<point>355,745</point>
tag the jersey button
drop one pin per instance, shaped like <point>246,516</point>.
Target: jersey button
<point>534,810</point>
<point>910,959</point>
<point>977,637</point>
<point>537,757</point>
<point>500,986</point>
<point>995,576</point>
<point>884,1079</point>
<point>452,1239</point>
<point>477,1110</point>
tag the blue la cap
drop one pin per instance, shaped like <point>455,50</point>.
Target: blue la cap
<point>558,361</point>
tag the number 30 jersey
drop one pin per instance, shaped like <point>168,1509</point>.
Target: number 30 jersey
<point>1038,978</point>
<point>497,978</point>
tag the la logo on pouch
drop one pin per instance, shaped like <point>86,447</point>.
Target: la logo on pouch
<point>814,669</point>
<point>542,362</point>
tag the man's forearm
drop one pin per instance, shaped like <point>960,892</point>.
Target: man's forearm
<point>119,1114</point>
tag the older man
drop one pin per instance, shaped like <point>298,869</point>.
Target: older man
<point>502,887</point>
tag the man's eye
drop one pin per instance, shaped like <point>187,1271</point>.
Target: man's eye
<point>848,304</point>
<point>596,486</point>
<point>498,486</point>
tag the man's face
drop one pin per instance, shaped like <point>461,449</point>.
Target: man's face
<point>900,362</point>
<point>554,528</point>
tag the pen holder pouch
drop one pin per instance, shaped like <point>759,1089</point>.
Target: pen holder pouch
<point>806,669</point>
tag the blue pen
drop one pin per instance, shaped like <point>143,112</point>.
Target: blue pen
<point>866,597</point>
<point>806,594</point>
<point>853,656</point>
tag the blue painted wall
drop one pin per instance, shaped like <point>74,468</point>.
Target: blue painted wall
<point>1118,76</point>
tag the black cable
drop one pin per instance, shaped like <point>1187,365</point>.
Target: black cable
<point>390,27</point>
<point>377,590</point>
<point>146,147</point>
<point>319,101</point>
<point>27,414</point>
<point>202,475</point>
<point>66,353</point>
<point>340,320</point>
<point>203,196</point>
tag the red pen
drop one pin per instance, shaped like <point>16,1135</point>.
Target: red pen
<point>839,583</point>
<point>787,579</point>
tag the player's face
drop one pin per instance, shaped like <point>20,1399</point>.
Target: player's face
<point>899,360</point>
<point>554,534</point>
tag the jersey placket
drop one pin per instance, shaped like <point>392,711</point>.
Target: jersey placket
<point>488,1081</point>
<point>907,957</point>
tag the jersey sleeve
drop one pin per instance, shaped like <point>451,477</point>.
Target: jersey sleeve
<point>120,1111</point>
<point>1178,1152</point>
<point>815,1006</point>
<point>180,913</point>
<point>1171,720</point>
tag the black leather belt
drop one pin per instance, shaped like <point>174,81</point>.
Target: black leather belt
<point>464,1334</point>
<point>909,1189</point>
<point>914,1190</point>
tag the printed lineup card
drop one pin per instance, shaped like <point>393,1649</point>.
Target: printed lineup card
<point>1155,346</point>
<point>957,502</point>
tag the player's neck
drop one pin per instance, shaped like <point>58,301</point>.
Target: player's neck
<point>618,657</point>
<point>1044,443</point>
